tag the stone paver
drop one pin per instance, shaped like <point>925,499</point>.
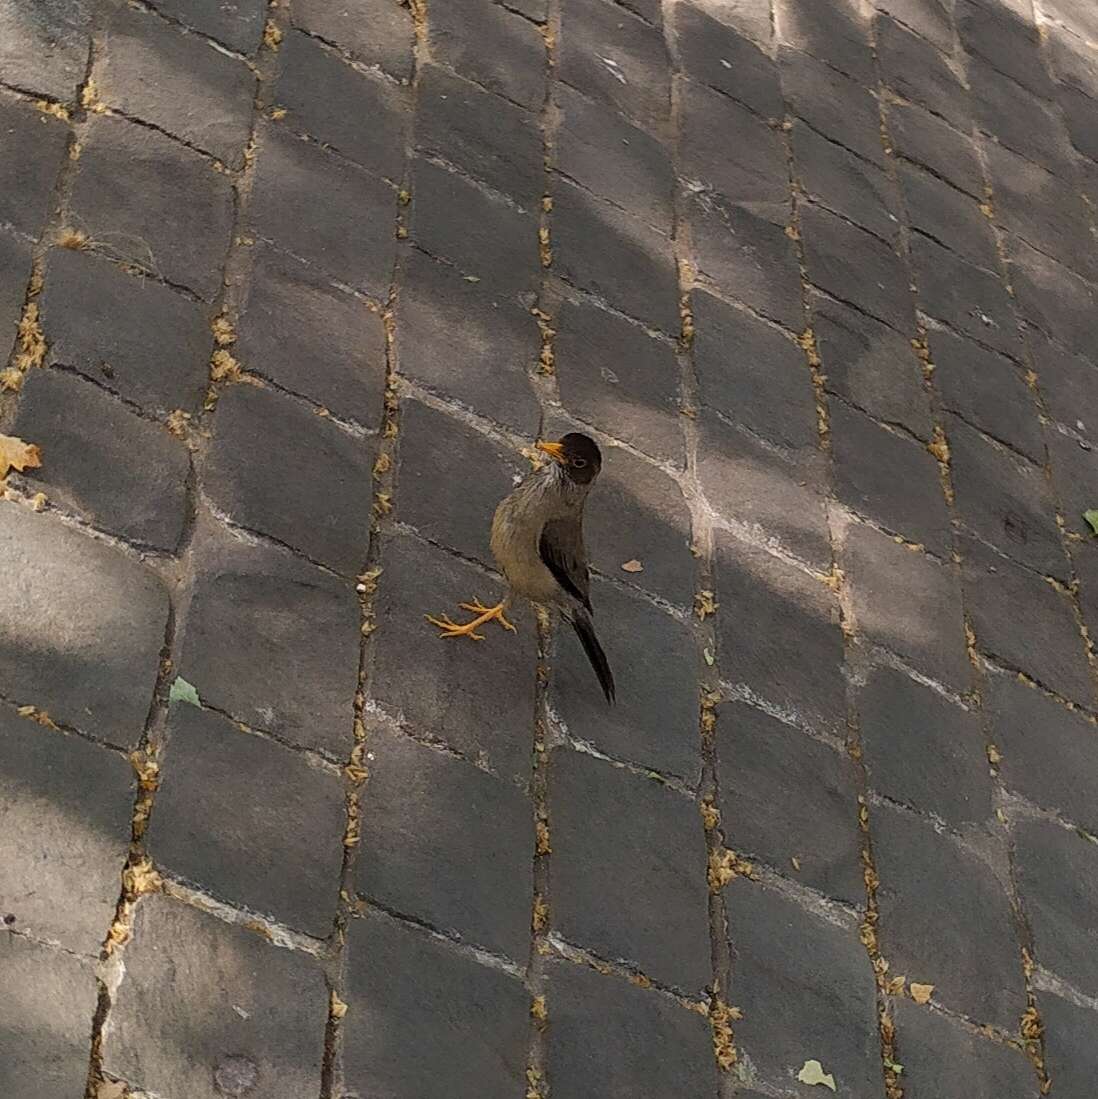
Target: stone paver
<point>46,1018</point>
<point>448,844</point>
<point>923,750</point>
<point>312,338</point>
<point>1071,1053</point>
<point>373,32</point>
<point>487,703</point>
<point>253,1013</point>
<point>248,821</point>
<point>296,681</point>
<point>127,475</point>
<point>131,335</point>
<point>601,817</point>
<point>1060,890</point>
<point>1047,750</point>
<point>316,500</point>
<point>828,1000</point>
<point>444,318</point>
<point>415,1005</point>
<point>654,1046</point>
<point>65,807</point>
<point>617,377</point>
<point>943,1059</point>
<point>909,603</point>
<point>477,231</point>
<point>653,725</point>
<point>153,72</point>
<point>818,276</point>
<point>26,180</point>
<point>945,919</point>
<point>788,800</point>
<point>148,200</point>
<point>870,460</point>
<point>313,77</point>
<point>81,623</point>
<point>779,606</point>
<point>349,235</point>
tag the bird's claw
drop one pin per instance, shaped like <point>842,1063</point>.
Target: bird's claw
<point>454,629</point>
<point>450,628</point>
<point>477,607</point>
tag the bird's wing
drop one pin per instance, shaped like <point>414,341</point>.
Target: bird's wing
<point>561,548</point>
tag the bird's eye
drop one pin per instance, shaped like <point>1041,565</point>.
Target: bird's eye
<point>579,463</point>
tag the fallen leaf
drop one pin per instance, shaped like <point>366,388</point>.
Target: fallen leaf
<point>895,987</point>
<point>710,659</point>
<point>338,1007</point>
<point>16,454</point>
<point>632,566</point>
<point>182,691</point>
<point>920,993</point>
<point>110,1089</point>
<point>705,604</point>
<point>813,1073</point>
<point>894,1066</point>
<point>1092,518</point>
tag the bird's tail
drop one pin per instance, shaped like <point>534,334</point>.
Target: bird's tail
<point>585,631</point>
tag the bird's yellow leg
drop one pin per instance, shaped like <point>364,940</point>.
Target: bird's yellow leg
<point>484,614</point>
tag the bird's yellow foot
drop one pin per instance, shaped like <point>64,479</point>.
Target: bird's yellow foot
<point>484,614</point>
<point>477,607</point>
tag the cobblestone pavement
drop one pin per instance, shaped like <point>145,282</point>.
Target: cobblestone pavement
<point>288,286</point>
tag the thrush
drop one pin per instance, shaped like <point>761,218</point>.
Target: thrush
<point>537,541</point>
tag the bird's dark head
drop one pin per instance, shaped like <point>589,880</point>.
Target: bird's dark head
<point>578,456</point>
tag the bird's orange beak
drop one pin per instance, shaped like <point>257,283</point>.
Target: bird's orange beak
<point>554,450</point>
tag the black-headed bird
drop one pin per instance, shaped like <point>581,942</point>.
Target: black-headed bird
<point>537,541</point>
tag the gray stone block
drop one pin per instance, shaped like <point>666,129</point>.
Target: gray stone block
<point>428,1021</point>
<point>127,475</point>
<point>66,806</point>
<point>278,468</point>
<point>82,625</point>
<point>249,821</point>
<point>147,200</point>
<point>254,1014</point>
<point>785,796</point>
<point>447,844</point>
<point>272,640</point>
<point>129,334</point>
<point>603,817</point>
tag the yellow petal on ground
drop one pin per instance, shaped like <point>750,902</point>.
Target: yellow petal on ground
<point>921,993</point>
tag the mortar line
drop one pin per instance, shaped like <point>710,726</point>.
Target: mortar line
<point>721,1013</point>
<point>543,382</point>
<point>29,354</point>
<point>997,827</point>
<point>138,874</point>
<point>356,770</point>
<point>853,653</point>
<point>1031,1024</point>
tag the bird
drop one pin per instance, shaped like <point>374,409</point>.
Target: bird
<point>537,541</point>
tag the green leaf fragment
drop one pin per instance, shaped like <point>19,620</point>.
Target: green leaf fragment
<point>182,691</point>
<point>1092,518</point>
<point>709,657</point>
<point>813,1073</point>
